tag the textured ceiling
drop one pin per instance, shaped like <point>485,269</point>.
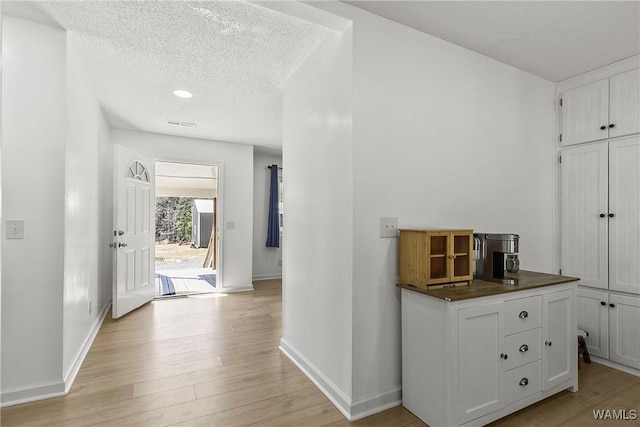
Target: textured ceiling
<point>234,56</point>
<point>554,40</point>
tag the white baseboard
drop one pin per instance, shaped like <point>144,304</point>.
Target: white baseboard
<point>16,396</point>
<point>73,370</point>
<point>340,400</point>
<point>373,404</point>
<point>351,410</point>
<point>615,365</point>
<point>267,277</point>
<point>238,288</point>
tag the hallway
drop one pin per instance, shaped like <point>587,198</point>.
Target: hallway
<point>213,360</point>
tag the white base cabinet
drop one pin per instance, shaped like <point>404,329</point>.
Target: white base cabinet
<point>471,362</point>
<point>612,322</point>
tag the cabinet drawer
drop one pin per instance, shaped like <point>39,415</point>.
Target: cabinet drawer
<point>521,315</point>
<point>522,348</point>
<point>522,382</point>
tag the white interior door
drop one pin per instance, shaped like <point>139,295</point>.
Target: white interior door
<point>134,231</point>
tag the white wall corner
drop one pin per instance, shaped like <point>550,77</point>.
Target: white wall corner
<point>74,368</point>
<point>340,400</point>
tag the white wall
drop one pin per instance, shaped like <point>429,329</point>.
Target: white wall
<point>86,255</point>
<point>235,189</point>
<point>33,175</point>
<point>442,137</point>
<point>318,229</point>
<point>265,260</point>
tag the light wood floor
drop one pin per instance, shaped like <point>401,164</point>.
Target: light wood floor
<point>215,362</point>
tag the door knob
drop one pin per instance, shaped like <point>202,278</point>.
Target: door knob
<point>504,356</point>
<point>523,382</point>
<point>602,215</point>
<point>603,303</point>
<point>523,314</point>
<point>612,125</point>
<point>612,305</point>
<point>611,215</point>
<point>603,127</point>
<point>524,348</point>
<point>122,245</point>
<point>547,343</point>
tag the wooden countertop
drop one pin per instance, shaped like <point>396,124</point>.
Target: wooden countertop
<point>482,288</point>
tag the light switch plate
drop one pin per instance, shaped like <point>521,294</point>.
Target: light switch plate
<point>388,226</point>
<point>15,229</point>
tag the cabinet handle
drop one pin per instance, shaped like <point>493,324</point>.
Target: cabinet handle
<point>524,348</point>
<point>612,125</point>
<point>603,303</point>
<point>122,245</point>
<point>611,215</point>
<point>602,215</point>
<point>523,382</point>
<point>504,356</point>
<point>612,305</point>
<point>547,343</point>
<point>603,127</point>
<point>523,314</point>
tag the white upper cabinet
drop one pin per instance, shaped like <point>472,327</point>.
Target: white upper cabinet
<point>624,115</point>
<point>600,214</point>
<point>624,215</point>
<point>583,214</point>
<point>603,109</point>
<point>585,113</point>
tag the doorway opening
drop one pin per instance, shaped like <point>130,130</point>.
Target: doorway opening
<point>187,233</point>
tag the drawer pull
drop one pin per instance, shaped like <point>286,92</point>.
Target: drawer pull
<point>524,348</point>
<point>523,314</point>
<point>523,382</point>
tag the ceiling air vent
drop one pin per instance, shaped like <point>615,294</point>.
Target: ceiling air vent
<point>185,124</point>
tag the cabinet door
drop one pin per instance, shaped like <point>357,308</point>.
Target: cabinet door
<point>624,320</point>
<point>583,210</point>
<point>461,253</point>
<point>593,318</point>
<point>560,339</point>
<point>624,205</point>
<point>585,110</point>
<point>624,104</point>
<point>480,370</point>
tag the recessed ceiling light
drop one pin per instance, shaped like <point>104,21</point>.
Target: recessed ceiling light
<point>182,93</point>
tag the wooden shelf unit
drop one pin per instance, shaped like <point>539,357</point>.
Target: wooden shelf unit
<point>435,257</point>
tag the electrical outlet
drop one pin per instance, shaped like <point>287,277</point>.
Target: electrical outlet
<point>388,226</point>
<point>15,229</point>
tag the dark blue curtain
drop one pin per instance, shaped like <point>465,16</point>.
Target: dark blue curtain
<point>273,226</point>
